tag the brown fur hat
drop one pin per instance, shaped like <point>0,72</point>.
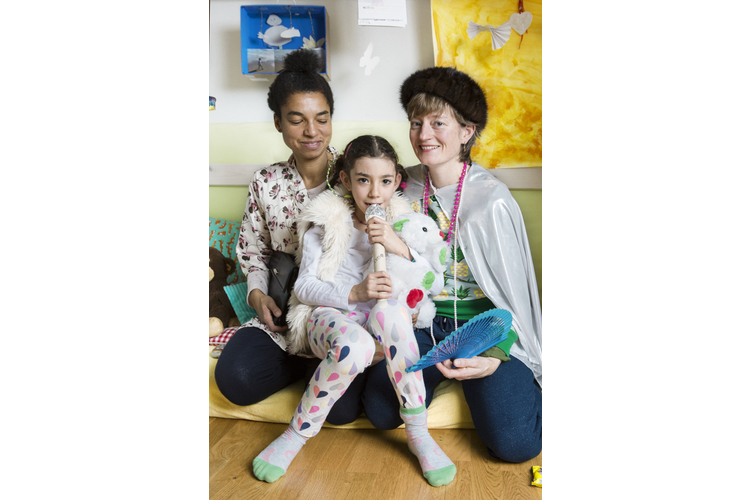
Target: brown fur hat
<point>455,87</point>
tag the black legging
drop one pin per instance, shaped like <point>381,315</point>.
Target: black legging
<point>252,367</point>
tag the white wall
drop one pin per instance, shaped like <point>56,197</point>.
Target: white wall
<point>357,97</point>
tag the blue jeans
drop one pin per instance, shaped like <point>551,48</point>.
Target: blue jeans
<point>506,407</point>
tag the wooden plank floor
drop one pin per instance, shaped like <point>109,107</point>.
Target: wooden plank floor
<point>340,464</point>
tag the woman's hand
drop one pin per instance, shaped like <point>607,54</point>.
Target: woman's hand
<point>476,367</point>
<point>266,309</point>
<point>379,231</point>
<point>376,285</point>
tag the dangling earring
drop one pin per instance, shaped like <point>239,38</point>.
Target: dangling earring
<point>464,155</point>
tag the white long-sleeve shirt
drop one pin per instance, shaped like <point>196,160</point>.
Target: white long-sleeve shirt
<point>313,291</point>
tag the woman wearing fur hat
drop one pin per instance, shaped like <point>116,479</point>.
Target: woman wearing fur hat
<point>490,266</point>
<point>256,362</point>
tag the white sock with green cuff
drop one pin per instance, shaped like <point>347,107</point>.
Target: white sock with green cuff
<point>273,462</point>
<point>436,467</point>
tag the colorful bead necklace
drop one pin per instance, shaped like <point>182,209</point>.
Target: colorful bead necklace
<point>456,202</point>
<point>454,223</point>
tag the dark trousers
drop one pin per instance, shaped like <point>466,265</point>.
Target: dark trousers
<point>252,367</point>
<point>506,407</point>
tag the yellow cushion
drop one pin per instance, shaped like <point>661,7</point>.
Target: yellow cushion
<point>448,409</point>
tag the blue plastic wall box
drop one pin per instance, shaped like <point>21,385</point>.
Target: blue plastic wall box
<point>265,56</point>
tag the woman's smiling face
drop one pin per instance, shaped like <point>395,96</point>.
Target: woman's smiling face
<point>305,124</point>
<point>437,138</point>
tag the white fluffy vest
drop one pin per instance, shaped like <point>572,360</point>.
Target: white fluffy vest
<point>333,213</point>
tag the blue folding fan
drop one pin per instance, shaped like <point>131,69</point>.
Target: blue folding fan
<point>476,336</point>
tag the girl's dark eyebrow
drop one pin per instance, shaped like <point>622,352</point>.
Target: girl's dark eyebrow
<point>362,174</point>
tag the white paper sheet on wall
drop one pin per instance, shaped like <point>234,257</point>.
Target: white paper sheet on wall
<point>382,13</point>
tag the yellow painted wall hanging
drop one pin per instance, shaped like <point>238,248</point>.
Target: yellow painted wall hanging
<point>511,76</point>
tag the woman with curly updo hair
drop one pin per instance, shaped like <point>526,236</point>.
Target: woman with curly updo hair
<point>256,362</point>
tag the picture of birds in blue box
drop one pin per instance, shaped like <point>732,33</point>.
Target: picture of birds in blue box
<point>270,32</point>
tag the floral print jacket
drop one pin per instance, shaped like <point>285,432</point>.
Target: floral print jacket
<point>276,196</point>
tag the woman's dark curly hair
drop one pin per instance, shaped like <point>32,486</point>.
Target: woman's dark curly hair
<point>300,75</point>
<point>367,146</point>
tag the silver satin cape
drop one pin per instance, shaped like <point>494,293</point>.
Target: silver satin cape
<point>493,238</point>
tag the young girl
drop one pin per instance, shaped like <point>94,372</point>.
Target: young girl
<point>337,311</point>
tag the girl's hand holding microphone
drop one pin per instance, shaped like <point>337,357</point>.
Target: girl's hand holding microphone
<point>376,285</point>
<point>381,232</point>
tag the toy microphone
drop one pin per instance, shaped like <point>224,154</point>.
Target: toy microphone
<point>378,251</point>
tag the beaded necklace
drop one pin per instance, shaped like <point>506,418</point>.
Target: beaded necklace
<point>455,203</point>
<point>454,222</point>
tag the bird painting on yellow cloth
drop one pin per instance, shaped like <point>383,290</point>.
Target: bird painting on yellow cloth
<point>510,75</point>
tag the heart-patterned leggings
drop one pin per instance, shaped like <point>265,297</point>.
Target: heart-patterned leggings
<point>350,341</point>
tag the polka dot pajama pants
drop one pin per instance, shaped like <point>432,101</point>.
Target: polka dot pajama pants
<point>347,342</point>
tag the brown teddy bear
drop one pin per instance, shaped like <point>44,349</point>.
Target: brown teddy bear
<point>220,311</point>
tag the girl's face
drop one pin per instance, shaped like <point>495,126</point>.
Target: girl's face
<point>371,181</point>
<point>437,138</point>
<point>305,124</point>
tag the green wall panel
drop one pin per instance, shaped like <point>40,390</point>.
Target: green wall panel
<point>227,202</point>
<point>530,202</point>
<point>262,143</point>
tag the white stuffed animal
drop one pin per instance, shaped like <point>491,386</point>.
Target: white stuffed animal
<point>413,282</point>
